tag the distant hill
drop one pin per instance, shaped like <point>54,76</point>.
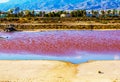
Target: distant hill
<point>61,4</point>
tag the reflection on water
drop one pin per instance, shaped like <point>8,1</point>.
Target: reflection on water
<point>73,46</point>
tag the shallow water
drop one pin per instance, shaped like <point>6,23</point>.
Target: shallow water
<point>73,46</point>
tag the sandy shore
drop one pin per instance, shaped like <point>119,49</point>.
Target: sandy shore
<point>56,71</point>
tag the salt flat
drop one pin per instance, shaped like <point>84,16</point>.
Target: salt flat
<point>36,71</point>
<point>57,71</point>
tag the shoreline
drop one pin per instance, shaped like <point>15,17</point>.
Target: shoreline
<point>46,30</point>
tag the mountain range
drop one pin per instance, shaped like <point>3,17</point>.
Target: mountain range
<point>60,4</point>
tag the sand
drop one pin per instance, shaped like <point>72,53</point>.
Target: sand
<point>99,71</point>
<point>36,71</point>
<point>57,71</point>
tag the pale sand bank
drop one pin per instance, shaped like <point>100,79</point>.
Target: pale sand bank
<point>49,30</point>
<point>56,71</point>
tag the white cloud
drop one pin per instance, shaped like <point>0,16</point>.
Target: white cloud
<point>3,1</point>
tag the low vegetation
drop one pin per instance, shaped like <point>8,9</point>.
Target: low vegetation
<point>76,19</point>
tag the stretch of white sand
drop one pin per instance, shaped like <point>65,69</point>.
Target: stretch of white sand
<point>56,71</point>
<point>89,72</point>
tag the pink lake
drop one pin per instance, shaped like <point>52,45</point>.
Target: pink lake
<point>74,46</point>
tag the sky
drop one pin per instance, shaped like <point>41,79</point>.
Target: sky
<point>3,1</point>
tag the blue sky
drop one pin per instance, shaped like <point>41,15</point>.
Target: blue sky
<point>3,1</point>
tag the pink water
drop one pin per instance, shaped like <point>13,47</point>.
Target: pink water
<point>61,43</point>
